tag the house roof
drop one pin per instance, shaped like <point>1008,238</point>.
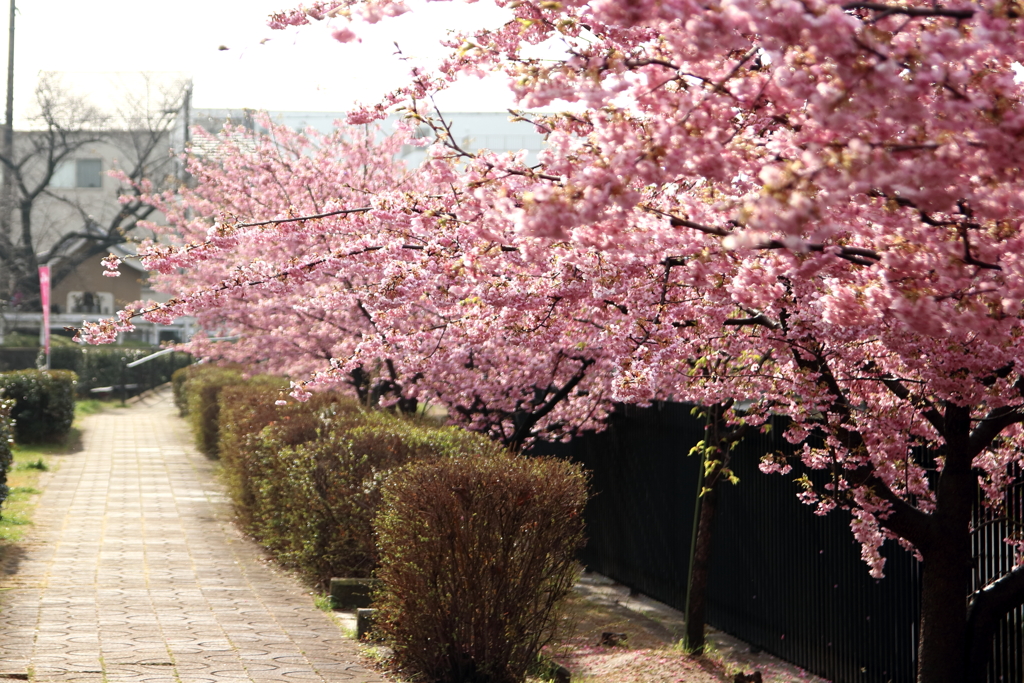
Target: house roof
<point>129,250</point>
<point>125,251</point>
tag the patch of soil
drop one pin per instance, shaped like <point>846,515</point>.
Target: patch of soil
<point>605,642</point>
<point>647,643</point>
<point>643,645</point>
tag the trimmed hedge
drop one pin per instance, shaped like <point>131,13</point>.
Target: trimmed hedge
<point>245,409</point>
<point>178,379</point>
<point>477,552</point>
<point>18,358</point>
<point>44,403</point>
<point>312,502</point>
<point>6,441</point>
<point>305,477</point>
<point>203,408</point>
<point>306,480</point>
<point>101,366</point>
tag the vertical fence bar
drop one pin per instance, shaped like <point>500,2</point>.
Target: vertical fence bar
<point>777,568</point>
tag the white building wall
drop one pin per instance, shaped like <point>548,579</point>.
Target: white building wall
<point>472,130</point>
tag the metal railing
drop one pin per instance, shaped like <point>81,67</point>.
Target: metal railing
<point>782,579</point>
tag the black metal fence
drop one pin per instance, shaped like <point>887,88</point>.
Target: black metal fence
<point>782,579</point>
<point>992,560</point>
<point>17,358</point>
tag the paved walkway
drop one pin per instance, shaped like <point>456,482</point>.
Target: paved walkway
<point>133,572</point>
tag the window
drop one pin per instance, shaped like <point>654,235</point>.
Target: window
<point>169,336</point>
<point>91,302</point>
<point>87,173</point>
<point>64,177</point>
<point>78,173</point>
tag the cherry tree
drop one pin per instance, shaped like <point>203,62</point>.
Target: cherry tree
<point>815,206</point>
<point>263,176</point>
<point>265,282</point>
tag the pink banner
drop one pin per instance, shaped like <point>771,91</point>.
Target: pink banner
<point>44,294</point>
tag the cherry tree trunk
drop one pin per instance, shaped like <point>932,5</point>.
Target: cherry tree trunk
<point>946,574</point>
<point>704,524</point>
<point>696,605</point>
<point>942,650</point>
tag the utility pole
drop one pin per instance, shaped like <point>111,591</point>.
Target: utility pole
<point>7,186</point>
<point>8,149</point>
<point>187,111</point>
<point>6,208</point>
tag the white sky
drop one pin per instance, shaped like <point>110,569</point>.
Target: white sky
<point>300,69</point>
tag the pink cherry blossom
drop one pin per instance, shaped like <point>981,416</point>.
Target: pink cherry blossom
<point>811,206</point>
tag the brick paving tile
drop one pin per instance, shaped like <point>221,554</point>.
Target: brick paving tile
<point>133,573</point>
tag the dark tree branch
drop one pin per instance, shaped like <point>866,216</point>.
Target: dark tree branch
<point>911,11</point>
<point>857,255</point>
<point>989,427</point>
<point>903,519</point>
<point>67,125</point>
<point>296,219</point>
<point>987,607</point>
<point>969,258</point>
<point>529,421</point>
<point>759,319</point>
<point>925,407</point>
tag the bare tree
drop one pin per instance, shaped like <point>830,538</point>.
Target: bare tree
<point>49,222</point>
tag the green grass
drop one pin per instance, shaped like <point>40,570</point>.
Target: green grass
<point>23,479</point>
<point>89,406</point>
<point>37,464</point>
<point>323,602</point>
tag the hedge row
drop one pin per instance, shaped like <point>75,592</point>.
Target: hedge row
<point>475,546</point>
<point>44,403</point>
<point>35,406</point>
<point>476,556</point>
<point>6,441</point>
<point>305,477</point>
<point>99,366</point>
<point>104,366</point>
